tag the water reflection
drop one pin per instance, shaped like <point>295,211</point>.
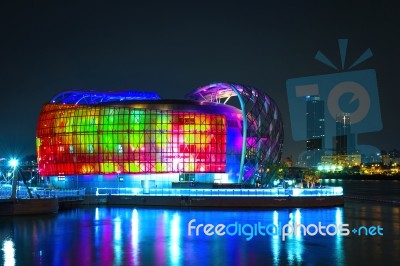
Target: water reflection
<point>133,236</point>
<point>9,252</point>
<point>339,239</point>
<point>175,240</point>
<point>295,251</point>
<point>396,220</point>
<point>275,240</point>
<point>117,241</point>
<point>126,236</point>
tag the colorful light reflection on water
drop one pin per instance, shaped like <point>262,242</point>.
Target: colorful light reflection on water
<point>150,236</point>
<point>131,236</point>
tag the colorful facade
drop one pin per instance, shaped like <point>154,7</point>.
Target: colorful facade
<point>98,135</point>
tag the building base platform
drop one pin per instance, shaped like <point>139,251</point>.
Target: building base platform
<point>226,201</point>
<point>207,198</point>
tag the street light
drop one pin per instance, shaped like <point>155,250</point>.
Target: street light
<point>13,163</point>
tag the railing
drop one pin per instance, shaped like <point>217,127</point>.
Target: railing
<point>59,193</point>
<point>37,192</point>
<point>274,192</point>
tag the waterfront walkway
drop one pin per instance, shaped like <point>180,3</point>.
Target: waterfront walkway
<point>190,197</point>
<point>38,192</point>
<point>79,194</point>
<point>223,192</point>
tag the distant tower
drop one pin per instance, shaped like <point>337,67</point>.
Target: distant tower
<point>344,140</point>
<point>315,118</point>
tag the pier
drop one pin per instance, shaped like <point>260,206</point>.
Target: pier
<point>186,197</point>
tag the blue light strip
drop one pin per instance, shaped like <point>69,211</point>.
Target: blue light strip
<point>273,192</point>
<point>96,97</point>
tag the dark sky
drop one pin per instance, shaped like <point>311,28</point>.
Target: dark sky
<point>174,47</point>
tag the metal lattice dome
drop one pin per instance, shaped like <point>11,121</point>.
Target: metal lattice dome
<point>262,130</point>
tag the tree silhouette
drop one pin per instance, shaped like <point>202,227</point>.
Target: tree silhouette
<point>269,173</point>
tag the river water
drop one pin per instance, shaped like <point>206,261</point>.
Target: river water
<point>154,236</point>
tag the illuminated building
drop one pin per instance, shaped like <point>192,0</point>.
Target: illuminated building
<point>346,160</point>
<point>344,139</point>
<point>91,137</point>
<point>315,118</point>
<point>315,126</point>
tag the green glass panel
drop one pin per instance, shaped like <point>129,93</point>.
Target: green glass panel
<point>189,138</point>
<point>106,142</point>
<point>107,168</point>
<point>133,167</point>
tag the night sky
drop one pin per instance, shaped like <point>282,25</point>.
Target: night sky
<point>174,47</point>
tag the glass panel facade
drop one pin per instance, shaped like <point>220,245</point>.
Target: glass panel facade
<point>93,139</point>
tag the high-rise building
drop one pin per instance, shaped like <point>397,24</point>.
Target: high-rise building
<point>315,118</point>
<point>344,139</point>
<point>394,153</point>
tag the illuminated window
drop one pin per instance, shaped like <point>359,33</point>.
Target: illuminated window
<point>108,139</point>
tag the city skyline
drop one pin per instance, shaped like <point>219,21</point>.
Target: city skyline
<point>176,48</point>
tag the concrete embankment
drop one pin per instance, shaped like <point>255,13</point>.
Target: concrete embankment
<point>207,202</point>
<point>83,201</point>
<point>358,198</point>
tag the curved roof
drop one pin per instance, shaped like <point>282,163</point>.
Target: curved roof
<point>262,130</point>
<point>96,97</point>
